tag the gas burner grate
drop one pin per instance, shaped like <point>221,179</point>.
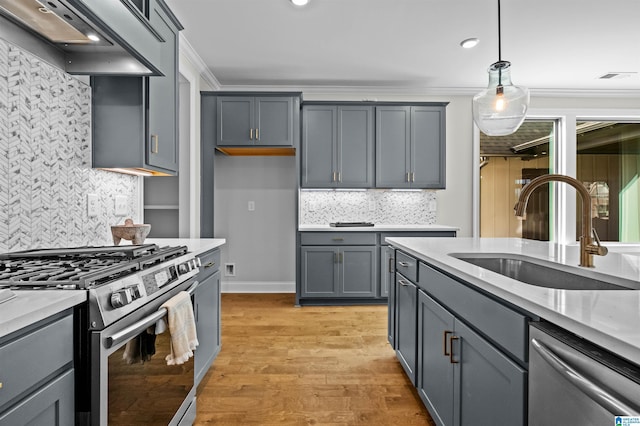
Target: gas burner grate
<point>81,267</point>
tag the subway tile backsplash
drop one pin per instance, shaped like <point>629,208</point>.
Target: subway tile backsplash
<point>45,160</point>
<point>377,206</point>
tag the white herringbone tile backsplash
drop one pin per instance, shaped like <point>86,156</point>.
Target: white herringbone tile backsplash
<point>45,160</point>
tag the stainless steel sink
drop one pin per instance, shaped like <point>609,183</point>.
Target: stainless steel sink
<point>546,274</point>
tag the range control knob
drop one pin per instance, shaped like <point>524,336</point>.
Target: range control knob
<point>185,267</point>
<point>121,298</point>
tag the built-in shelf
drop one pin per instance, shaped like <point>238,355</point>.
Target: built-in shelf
<point>161,207</point>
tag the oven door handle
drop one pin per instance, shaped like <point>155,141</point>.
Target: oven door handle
<point>138,326</point>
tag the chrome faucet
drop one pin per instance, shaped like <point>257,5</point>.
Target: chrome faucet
<point>587,248</point>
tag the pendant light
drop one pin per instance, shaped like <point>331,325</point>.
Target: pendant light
<point>501,108</point>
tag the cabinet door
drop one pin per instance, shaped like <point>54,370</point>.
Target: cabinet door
<point>427,147</point>
<point>490,388</point>
<point>235,120</point>
<point>319,272</point>
<point>393,135</point>
<point>388,289</point>
<point>357,274</point>
<point>355,154</point>
<point>319,140</point>
<point>406,317</point>
<point>207,316</point>
<point>435,370</point>
<point>274,121</point>
<point>52,404</point>
<point>162,136</point>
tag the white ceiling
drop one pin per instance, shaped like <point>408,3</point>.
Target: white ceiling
<point>554,45</point>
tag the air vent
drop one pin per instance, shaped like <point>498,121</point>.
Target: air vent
<point>618,75</point>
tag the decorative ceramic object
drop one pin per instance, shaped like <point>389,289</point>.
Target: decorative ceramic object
<point>136,233</point>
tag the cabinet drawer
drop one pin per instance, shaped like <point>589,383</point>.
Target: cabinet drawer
<point>407,266</point>
<point>337,238</point>
<point>499,323</point>
<point>35,357</point>
<point>403,234</point>
<point>210,263</point>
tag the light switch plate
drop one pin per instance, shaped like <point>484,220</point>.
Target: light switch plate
<point>92,205</point>
<point>120,205</point>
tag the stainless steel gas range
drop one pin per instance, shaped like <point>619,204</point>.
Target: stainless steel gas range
<point>121,373</point>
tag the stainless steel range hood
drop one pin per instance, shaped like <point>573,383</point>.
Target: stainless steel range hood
<point>96,37</point>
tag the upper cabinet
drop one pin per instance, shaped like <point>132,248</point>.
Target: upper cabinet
<point>337,146</point>
<point>135,119</point>
<point>410,147</point>
<point>255,120</point>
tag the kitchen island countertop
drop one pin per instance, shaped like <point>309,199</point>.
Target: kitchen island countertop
<point>378,228</point>
<point>609,318</point>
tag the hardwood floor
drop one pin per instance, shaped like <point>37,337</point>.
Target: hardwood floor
<point>282,365</point>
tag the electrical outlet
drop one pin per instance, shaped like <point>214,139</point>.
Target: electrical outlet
<point>120,205</point>
<point>252,206</point>
<point>92,205</point>
<point>229,269</point>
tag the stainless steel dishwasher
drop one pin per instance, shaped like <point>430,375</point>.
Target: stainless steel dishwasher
<point>572,381</point>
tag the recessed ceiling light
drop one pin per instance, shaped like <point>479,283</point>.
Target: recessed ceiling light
<point>469,43</point>
<point>300,2</point>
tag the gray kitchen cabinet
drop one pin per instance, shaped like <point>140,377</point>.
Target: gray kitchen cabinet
<point>337,146</point>
<point>135,119</point>
<point>256,120</point>
<point>37,375</point>
<point>462,378</point>
<point>406,303</point>
<point>338,272</point>
<point>207,313</point>
<point>410,146</point>
<point>388,289</point>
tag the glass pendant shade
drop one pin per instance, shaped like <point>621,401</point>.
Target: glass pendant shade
<point>502,107</point>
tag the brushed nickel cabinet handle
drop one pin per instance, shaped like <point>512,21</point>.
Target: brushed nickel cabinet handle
<point>154,144</point>
<point>405,264</point>
<point>335,257</point>
<point>257,134</point>
<point>407,177</point>
<point>413,177</point>
<point>339,177</point>
<point>210,264</point>
<point>391,263</point>
<point>340,258</point>
<point>403,283</point>
<point>333,176</point>
<point>250,134</point>
<point>337,239</point>
<point>451,339</point>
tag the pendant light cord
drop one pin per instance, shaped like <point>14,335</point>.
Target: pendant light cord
<point>499,36</point>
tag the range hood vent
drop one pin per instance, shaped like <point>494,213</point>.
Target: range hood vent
<point>94,37</point>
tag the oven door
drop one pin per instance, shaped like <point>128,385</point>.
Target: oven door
<point>129,391</point>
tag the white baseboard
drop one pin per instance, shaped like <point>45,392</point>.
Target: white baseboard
<point>258,286</point>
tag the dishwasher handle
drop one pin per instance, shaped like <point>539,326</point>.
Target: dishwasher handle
<point>601,396</point>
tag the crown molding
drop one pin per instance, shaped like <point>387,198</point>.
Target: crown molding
<point>193,57</point>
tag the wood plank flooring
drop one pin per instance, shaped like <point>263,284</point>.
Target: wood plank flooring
<point>282,365</point>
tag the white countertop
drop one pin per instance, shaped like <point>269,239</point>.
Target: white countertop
<point>609,318</point>
<point>378,228</point>
<point>195,245</point>
<point>31,306</point>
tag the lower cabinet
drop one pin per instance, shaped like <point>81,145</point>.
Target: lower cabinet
<point>388,289</point>
<point>462,378</point>
<point>462,349</point>
<point>207,314</point>
<point>37,375</point>
<point>338,272</point>
<point>406,302</point>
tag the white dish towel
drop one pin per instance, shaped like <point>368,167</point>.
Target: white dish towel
<point>182,327</point>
